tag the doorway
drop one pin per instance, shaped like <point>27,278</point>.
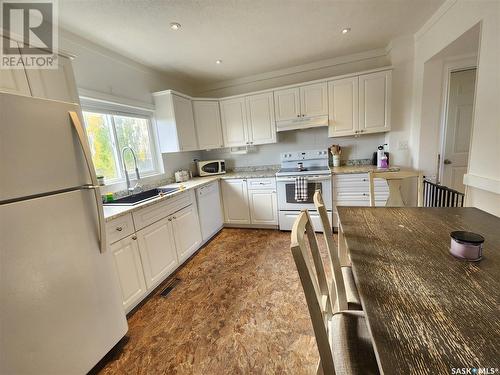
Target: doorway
<point>457,127</point>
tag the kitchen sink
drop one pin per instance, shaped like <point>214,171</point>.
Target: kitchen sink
<point>143,196</point>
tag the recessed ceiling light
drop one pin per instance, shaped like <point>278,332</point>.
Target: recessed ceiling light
<point>218,62</point>
<point>346,30</point>
<point>175,26</point>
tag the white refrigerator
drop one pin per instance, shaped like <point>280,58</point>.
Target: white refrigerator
<point>60,302</point>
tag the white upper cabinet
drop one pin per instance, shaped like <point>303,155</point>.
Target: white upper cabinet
<point>55,84</point>
<point>234,122</point>
<point>14,81</point>
<point>343,107</point>
<point>248,120</point>
<point>314,100</point>
<point>375,102</point>
<point>260,118</point>
<point>175,122</point>
<point>208,124</point>
<point>287,104</point>
<point>359,105</point>
<point>301,107</point>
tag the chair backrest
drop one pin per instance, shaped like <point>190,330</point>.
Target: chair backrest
<point>337,292</point>
<point>304,246</point>
<point>394,180</point>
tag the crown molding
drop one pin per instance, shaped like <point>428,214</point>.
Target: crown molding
<point>317,65</point>
<point>443,9</point>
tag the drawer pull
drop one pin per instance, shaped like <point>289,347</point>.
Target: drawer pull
<point>119,229</point>
<point>134,237</point>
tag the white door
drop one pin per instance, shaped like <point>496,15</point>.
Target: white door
<point>55,84</point>
<point>235,200</point>
<point>343,107</point>
<point>234,122</point>
<point>287,104</point>
<point>157,249</point>
<point>184,120</point>
<point>14,81</point>
<point>129,270</point>
<point>187,232</point>
<point>208,124</point>
<point>260,116</point>
<point>374,102</point>
<point>263,207</point>
<point>314,100</point>
<point>458,128</point>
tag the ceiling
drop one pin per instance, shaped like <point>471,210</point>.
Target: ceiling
<point>249,36</point>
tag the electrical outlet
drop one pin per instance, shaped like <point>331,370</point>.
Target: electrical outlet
<point>403,145</point>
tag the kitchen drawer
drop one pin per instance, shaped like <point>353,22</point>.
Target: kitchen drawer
<point>119,228</point>
<point>151,214</point>
<point>261,183</point>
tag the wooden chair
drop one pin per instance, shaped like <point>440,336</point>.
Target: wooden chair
<point>343,339</point>
<point>394,180</point>
<point>348,287</point>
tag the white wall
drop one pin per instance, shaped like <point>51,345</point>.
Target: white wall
<point>302,73</point>
<point>453,19</point>
<point>103,74</point>
<point>401,57</point>
<point>355,148</point>
<point>307,139</point>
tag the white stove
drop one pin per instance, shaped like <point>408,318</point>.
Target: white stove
<point>313,165</point>
<point>303,163</point>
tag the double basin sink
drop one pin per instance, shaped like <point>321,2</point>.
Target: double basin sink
<point>143,196</point>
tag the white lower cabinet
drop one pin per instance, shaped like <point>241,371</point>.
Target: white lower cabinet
<point>263,207</point>
<point>128,266</point>
<point>250,201</point>
<point>158,254</point>
<point>187,233</point>
<point>354,190</point>
<point>235,198</point>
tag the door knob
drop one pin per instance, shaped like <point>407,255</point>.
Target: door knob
<point>447,161</point>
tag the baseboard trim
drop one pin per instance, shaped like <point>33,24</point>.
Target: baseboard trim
<point>251,226</point>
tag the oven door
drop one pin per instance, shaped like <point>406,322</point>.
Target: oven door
<point>286,193</point>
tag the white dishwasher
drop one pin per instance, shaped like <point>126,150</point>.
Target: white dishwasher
<point>209,209</point>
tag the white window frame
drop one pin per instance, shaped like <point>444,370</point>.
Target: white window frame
<point>115,109</point>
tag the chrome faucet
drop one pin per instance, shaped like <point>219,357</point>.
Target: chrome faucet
<point>137,175</point>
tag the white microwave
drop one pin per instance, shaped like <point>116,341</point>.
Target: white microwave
<point>210,167</point>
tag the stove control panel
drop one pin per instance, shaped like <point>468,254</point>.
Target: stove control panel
<point>304,155</point>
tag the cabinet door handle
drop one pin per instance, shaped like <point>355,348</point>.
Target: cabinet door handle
<point>303,115</point>
<point>134,237</point>
<point>298,115</point>
<point>119,229</point>
<point>174,218</point>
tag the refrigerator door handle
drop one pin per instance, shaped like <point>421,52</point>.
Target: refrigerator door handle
<point>75,120</point>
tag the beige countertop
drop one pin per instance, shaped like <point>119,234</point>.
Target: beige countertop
<point>346,169</point>
<point>112,212</point>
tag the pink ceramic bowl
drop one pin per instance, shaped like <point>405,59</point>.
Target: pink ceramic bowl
<point>467,245</point>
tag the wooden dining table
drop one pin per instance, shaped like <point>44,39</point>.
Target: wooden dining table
<point>427,311</point>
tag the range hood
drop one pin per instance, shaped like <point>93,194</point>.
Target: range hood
<point>302,123</point>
